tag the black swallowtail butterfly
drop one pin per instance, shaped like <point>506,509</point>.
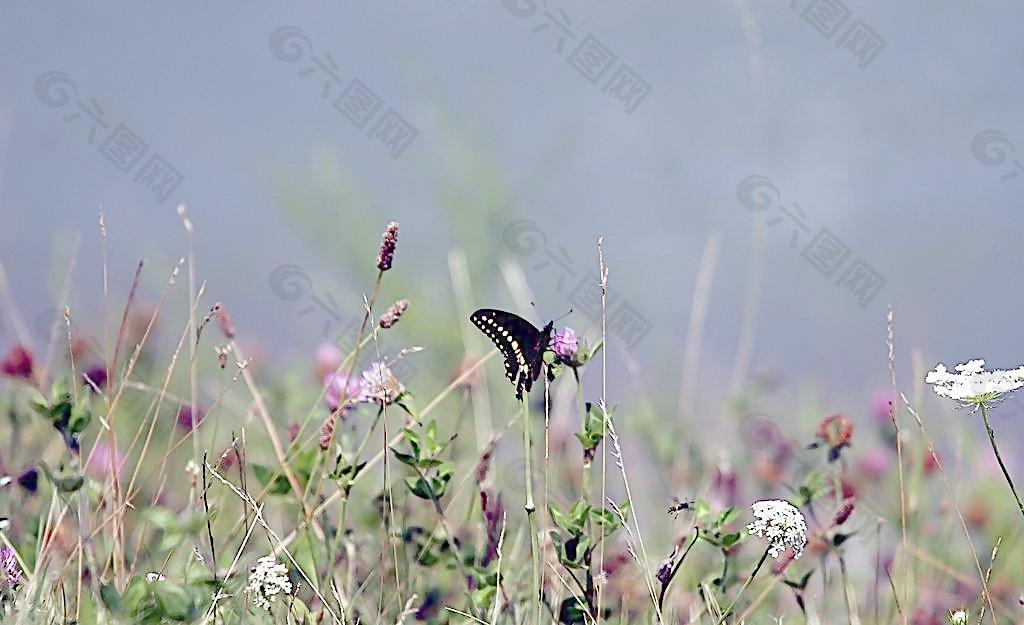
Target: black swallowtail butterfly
<point>519,341</point>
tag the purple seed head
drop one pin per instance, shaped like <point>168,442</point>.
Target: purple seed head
<point>393,314</point>
<point>387,247</point>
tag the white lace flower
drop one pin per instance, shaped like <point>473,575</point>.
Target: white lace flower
<point>971,384</point>
<point>155,577</point>
<point>959,617</point>
<point>267,580</point>
<point>781,524</point>
<point>379,384</point>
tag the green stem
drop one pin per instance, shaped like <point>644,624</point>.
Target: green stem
<point>746,584</point>
<point>1006,474</point>
<point>582,408</point>
<point>531,515</point>
<point>335,542</point>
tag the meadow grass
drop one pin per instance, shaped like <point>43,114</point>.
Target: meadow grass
<point>193,483</point>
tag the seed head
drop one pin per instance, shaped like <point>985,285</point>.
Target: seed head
<point>393,314</point>
<point>387,247</point>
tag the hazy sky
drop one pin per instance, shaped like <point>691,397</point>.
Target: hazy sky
<point>881,135</point>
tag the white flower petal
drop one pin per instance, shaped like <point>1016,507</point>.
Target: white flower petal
<point>781,524</point>
<point>971,382</point>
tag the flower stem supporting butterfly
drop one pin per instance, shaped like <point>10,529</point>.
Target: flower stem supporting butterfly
<point>531,516</point>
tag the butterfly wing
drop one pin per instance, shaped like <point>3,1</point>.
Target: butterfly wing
<point>520,343</point>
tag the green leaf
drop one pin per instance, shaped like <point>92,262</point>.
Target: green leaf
<point>264,474</point>
<point>725,516</point>
<point>135,595</point>
<point>63,483</point>
<point>419,487</point>
<point>571,612</point>
<point>406,459</point>
<point>444,476</point>
<point>607,520</point>
<point>80,417</point>
<point>408,404</point>
<point>484,596</point>
<point>300,611</point>
<point>557,517</point>
<point>413,437</point>
<point>304,461</point>
<point>345,473</point>
<point>111,600</point>
<point>572,552</point>
<point>701,509</point>
<point>39,402</point>
<point>162,518</point>
<point>176,603</point>
<point>578,514</point>
<point>195,522</point>
<point>731,539</point>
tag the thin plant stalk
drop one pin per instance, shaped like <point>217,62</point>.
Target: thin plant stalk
<point>587,462</point>
<point>531,516</point>
<point>745,585</point>
<point>335,541</point>
<point>999,458</point>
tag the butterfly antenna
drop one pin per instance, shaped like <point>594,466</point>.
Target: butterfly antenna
<point>536,310</point>
<point>563,316</point>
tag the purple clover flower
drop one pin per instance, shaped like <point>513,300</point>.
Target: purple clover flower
<point>379,385</point>
<point>341,391</point>
<point>18,363</point>
<point>327,360</point>
<point>187,420</point>
<point>97,375</point>
<point>566,346</point>
<point>881,407</point>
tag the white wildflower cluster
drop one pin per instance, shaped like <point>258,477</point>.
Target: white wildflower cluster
<point>155,577</point>
<point>971,384</point>
<point>267,580</point>
<point>781,524</point>
<point>959,617</point>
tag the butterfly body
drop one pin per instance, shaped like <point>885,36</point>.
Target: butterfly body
<point>520,343</point>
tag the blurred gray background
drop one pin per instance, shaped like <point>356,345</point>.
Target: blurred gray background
<point>890,126</point>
